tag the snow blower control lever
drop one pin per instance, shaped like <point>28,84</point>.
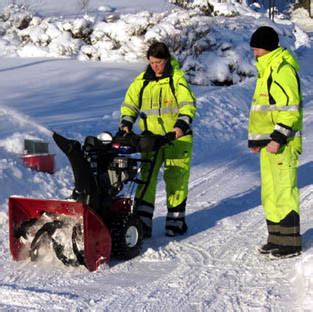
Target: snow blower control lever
<point>143,116</point>
<point>149,142</point>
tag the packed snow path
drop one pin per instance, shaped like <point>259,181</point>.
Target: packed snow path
<point>215,267</point>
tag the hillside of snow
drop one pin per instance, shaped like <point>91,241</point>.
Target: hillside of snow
<point>215,266</point>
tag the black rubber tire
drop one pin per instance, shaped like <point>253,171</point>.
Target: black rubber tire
<point>127,236</point>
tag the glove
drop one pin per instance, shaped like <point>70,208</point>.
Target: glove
<point>126,138</point>
<point>119,133</point>
<point>171,136</point>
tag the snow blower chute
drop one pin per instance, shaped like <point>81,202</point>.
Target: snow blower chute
<point>98,221</point>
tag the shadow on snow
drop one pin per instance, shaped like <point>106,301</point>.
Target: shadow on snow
<point>206,218</point>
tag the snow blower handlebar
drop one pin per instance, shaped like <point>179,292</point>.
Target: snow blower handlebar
<point>146,141</point>
<point>149,142</point>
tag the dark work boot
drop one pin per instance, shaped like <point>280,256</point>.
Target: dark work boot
<point>267,248</point>
<point>175,230</point>
<point>285,252</point>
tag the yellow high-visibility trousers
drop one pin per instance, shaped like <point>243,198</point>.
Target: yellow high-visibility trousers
<point>176,158</point>
<point>280,194</point>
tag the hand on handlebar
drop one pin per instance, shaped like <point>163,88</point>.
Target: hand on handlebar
<point>178,132</point>
<point>126,129</point>
<point>168,138</point>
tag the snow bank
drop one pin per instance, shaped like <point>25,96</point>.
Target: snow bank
<point>13,174</point>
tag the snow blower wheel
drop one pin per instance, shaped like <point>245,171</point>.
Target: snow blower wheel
<point>127,235</point>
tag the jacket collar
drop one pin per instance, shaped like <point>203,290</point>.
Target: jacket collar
<point>150,74</point>
<point>275,58</point>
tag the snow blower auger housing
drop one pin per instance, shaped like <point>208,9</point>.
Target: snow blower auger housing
<point>28,229</point>
<point>97,222</point>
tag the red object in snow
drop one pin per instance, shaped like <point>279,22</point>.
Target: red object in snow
<point>40,162</point>
<point>97,236</point>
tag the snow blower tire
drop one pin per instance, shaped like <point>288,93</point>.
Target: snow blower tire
<point>127,236</point>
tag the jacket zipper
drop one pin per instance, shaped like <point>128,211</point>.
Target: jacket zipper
<point>160,102</point>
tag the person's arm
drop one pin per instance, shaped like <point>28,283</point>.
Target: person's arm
<point>187,108</point>
<point>286,92</point>
<point>255,149</point>
<point>130,107</point>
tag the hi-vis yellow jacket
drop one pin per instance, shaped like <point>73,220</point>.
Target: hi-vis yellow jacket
<point>167,102</point>
<point>276,111</point>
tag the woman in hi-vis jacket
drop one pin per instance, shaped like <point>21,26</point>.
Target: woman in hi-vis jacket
<point>162,93</point>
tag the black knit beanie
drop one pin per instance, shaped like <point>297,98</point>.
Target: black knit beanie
<point>265,37</point>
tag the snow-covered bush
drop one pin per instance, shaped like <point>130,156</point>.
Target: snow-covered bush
<point>65,45</point>
<point>211,50</point>
<point>203,6</point>
<point>210,7</point>
<point>16,16</point>
<point>181,3</point>
<point>82,28</point>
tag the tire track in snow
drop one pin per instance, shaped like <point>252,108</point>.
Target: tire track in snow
<point>306,195</point>
<point>212,260</point>
<point>24,298</point>
<point>196,255</point>
<point>220,171</point>
<point>213,273</point>
<point>224,269</point>
<point>52,284</point>
<point>226,288</point>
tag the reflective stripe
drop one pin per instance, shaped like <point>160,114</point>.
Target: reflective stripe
<point>175,215</point>
<point>176,223</point>
<point>283,130</point>
<point>275,108</point>
<point>283,230</point>
<point>128,118</point>
<point>267,136</point>
<point>186,119</point>
<point>259,137</point>
<point>144,208</point>
<point>163,110</point>
<point>145,213</point>
<point>290,230</point>
<point>294,241</point>
<point>132,107</point>
<point>183,103</point>
<point>273,228</point>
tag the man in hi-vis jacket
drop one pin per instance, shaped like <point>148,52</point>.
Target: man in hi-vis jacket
<point>275,126</point>
<point>163,94</point>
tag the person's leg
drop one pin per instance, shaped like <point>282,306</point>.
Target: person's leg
<point>284,166</point>
<point>145,193</point>
<point>279,172</point>
<point>176,177</point>
<point>268,199</point>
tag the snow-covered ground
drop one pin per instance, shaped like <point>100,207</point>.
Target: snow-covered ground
<point>77,7</point>
<point>215,267</point>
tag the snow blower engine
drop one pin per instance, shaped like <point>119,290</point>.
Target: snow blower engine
<point>98,221</point>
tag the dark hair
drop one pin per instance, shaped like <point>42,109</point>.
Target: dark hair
<point>159,50</point>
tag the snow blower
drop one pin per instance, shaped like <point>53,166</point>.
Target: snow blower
<point>97,222</point>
